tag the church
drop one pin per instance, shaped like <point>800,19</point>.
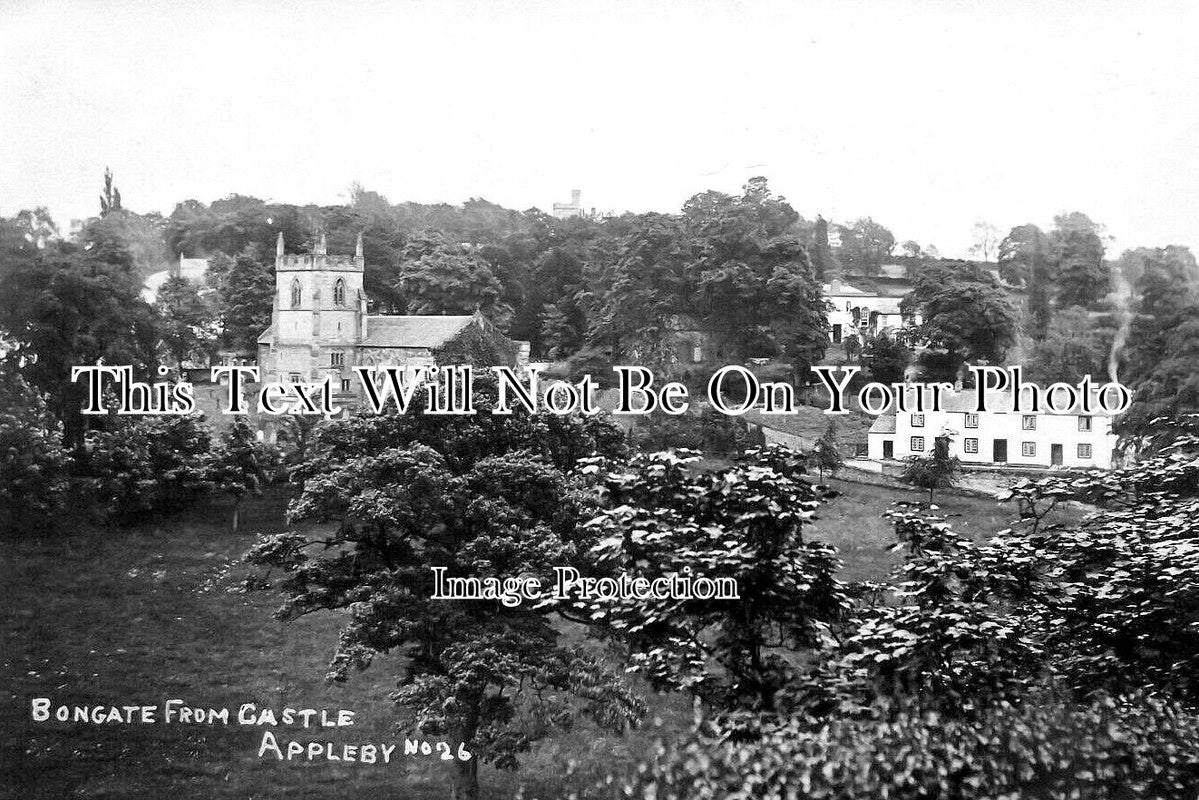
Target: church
<point>320,327</point>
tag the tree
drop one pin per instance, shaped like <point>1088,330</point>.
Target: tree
<point>1075,345</point>
<point>1024,260</point>
<point>1161,360</point>
<point>1076,250</point>
<point>635,294</point>
<point>935,471</point>
<point>826,452</point>
<point>246,298</point>
<point>986,240</point>
<point>185,322</point>
<point>886,359</point>
<point>965,313</point>
<point>436,277</point>
<point>63,306</point>
<point>147,466</point>
<point>743,523</point>
<point>33,462</point>
<point>823,261</point>
<point>865,246</point>
<point>748,279</point>
<point>484,497</point>
<point>110,200</point>
<point>239,465</point>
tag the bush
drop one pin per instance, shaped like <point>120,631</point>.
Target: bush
<point>33,461</point>
<point>1107,748</point>
<point>707,430</point>
<point>150,466</point>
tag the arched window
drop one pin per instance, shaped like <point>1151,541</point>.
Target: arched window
<point>339,293</point>
<point>296,292</point>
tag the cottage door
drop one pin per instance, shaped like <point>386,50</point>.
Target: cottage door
<point>999,454</point>
<point>1055,454</point>
<point>888,449</point>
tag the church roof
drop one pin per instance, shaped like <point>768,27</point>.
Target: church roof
<point>267,336</point>
<point>413,331</point>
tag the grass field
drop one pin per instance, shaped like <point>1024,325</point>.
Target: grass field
<point>145,615</point>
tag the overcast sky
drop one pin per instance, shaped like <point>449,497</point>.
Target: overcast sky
<point>927,116</point>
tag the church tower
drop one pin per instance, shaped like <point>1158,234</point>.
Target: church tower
<point>319,315</point>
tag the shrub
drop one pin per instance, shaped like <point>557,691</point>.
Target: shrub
<point>1045,748</point>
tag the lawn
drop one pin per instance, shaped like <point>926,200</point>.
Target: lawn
<point>144,615</point>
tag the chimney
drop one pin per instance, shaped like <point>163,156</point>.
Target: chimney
<point>575,194</point>
<point>358,246</point>
<point>278,246</point>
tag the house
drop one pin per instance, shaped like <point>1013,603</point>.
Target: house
<point>320,327</point>
<point>861,314</point>
<point>193,270</point>
<point>572,209</point>
<point>998,436</point>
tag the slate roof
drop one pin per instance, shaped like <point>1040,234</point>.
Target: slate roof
<point>885,423</point>
<point>267,336</point>
<point>427,332</point>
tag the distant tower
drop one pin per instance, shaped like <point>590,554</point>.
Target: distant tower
<point>572,209</point>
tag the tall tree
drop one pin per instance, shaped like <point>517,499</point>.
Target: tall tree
<point>62,306</point>
<point>437,277</point>
<point>246,298</point>
<point>865,246</point>
<point>484,498</point>
<point>965,313</point>
<point>186,323</point>
<point>1024,260</point>
<point>1076,249</point>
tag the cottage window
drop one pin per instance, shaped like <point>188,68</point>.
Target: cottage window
<point>345,384</point>
<point>1084,424</point>
<point>339,292</point>
<point>972,422</point>
<point>295,377</point>
<point>1084,451</point>
<point>917,444</point>
<point>1028,449</point>
<point>296,293</point>
<point>917,420</point>
<point>972,445</point>
<point>337,360</point>
<point>1030,422</point>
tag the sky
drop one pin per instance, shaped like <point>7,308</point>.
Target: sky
<point>926,116</point>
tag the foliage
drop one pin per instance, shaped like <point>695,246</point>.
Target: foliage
<point>825,453</point>
<point>148,466</point>
<point>483,497</point>
<point>964,312</point>
<point>1161,362</point>
<point>436,277</point>
<point>1074,345</point>
<point>63,306</point>
<point>246,297</point>
<point>886,358</point>
<point>865,246</point>
<point>239,464</point>
<point>33,461</point>
<point>185,321</point>
<point>745,522</point>
<point>1111,746</point>
<point>934,471</point>
<point>703,429</point>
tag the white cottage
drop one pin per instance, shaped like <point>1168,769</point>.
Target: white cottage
<point>856,313</point>
<point>997,436</point>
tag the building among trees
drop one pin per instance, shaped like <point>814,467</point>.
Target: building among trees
<point>320,327</point>
<point>998,436</point>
